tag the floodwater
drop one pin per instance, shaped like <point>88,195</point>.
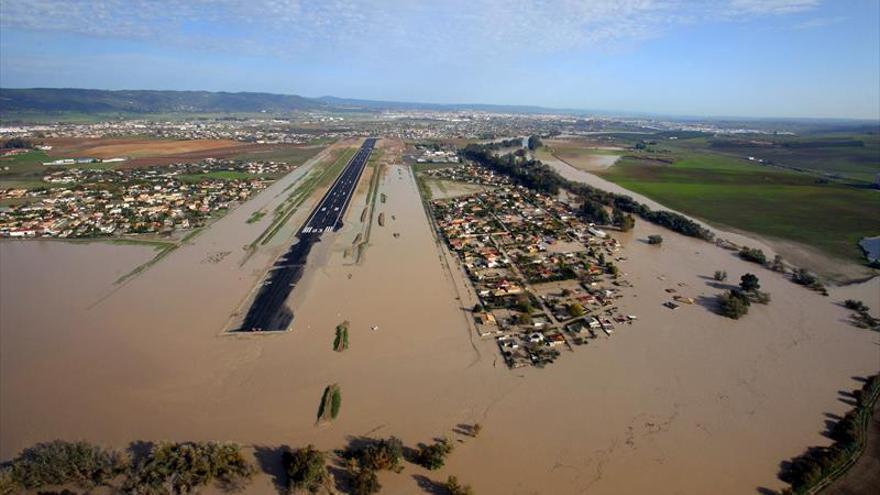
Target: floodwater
<point>682,402</point>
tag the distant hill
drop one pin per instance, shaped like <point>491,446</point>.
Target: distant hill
<point>96,101</point>
<point>335,102</point>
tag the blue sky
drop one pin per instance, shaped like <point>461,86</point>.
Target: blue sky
<point>758,58</point>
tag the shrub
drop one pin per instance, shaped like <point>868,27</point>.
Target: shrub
<point>59,463</point>
<point>384,454</point>
<point>753,255</point>
<point>455,488</point>
<point>306,469</point>
<point>340,343</point>
<point>720,275</point>
<point>857,306</point>
<point>331,401</point>
<point>185,467</point>
<point>336,403</point>
<point>364,482</point>
<point>434,456</point>
<point>734,304</point>
<point>655,239</point>
<point>8,485</point>
<point>760,297</point>
<point>803,277</point>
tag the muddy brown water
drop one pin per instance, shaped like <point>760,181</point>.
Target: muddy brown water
<point>681,402</point>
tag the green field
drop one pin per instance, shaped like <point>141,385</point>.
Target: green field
<point>733,192</point>
<point>30,163</point>
<point>218,174</point>
<point>281,153</point>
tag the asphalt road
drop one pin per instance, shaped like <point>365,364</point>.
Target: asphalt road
<point>269,311</point>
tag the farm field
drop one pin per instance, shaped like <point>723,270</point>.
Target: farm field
<point>580,154</point>
<point>788,206</point>
<point>26,170</point>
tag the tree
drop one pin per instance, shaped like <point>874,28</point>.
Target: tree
<point>720,275</point>
<point>477,308</point>
<point>594,212</point>
<point>306,469</point>
<point>734,304</point>
<point>613,270</point>
<point>749,283</point>
<point>61,463</point>
<point>576,309</point>
<point>655,239</point>
<point>434,456</point>
<point>17,143</point>
<point>534,142</point>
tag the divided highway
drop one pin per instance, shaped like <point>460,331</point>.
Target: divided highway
<point>269,311</point>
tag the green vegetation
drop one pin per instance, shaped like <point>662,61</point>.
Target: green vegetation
<point>655,239</point>
<point>814,470</point>
<point>17,143</point>
<point>185,467</point>
<point>331,402</point>
<point>216,175</point>
<point>364,481</point>
<point>256,216</point>
<point>754,255</point>
<point>287,153</point>
<point>539,177</point>
<point>720,275</point>
<point>453,486</point>
<point>749,283</point>
<point>734,304</point>
<point>380,455</point>
<point>62,463</point>
<point>306,469</point>
<point>534,142</point>
<point>855,305</point>
<point>179,468</point>
<point>802,277</point>
<point>861,316</point>
<point>433,456</point>
<point>576,310</point>
<point>340,343</point>
<point>24,165</point>
<point>732,191</point>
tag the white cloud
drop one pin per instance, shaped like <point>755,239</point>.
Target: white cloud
<point>450,28</point>
<point>763,7</point>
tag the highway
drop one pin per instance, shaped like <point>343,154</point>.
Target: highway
<point>269,311</point>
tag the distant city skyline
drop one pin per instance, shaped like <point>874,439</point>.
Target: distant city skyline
<point>734,58</point>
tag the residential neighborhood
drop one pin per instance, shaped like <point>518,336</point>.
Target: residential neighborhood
<point>87,202</point>
<point>547,282</point>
